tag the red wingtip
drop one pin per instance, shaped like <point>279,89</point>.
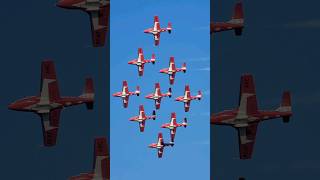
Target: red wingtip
<point>100,146</point>
<point>157,85</point>
<point>187,88</point>
<point>48,70</point>
<point>173,115</point>
<point>156,19</point>
<point>171,59</point>
<point>247,84</point>
<point>141,108</point>
<point>124,83</point>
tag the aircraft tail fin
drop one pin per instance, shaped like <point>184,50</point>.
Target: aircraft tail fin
<point>285,106</point>
<point>88,93</point>
<point>184,67</point>
<point>154,115</point>
<point>137,92</point>
<point>153,58</point>
<point>199,96</point>
<point>169,93</point>
<point>185,122</point>
<point>169,28</point>
<point>238,18</point>
<point>238,12</point>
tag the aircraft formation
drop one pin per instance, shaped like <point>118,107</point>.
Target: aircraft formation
<point>247,116</point>
<point>157,96</point>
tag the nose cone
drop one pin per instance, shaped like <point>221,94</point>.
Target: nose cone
<point>151,146</point>
<point>12,106</point>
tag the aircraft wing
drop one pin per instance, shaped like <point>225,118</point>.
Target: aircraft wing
<point>247,102</point>
<point>49,89</point>
<point>247,137</point>
<point>99,25</point>
<point>101,165</point>
<point>101,159</point>
<point>50,126</point>
<point>83,176</point>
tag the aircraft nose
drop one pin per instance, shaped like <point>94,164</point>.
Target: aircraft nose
<point>12,106</point>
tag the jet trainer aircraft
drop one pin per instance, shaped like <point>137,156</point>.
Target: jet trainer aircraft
<point>160,145</point>
<point>157,95</point>
<point>247,116</point>
<point>101,167</point>
<point>172,126</point>
<point>157,30</point>
<point>187,98</point>
<point>98,10</point>
<point>172,70</point>
<point>236,23</point>
<point>141,61</point>
<point>125,94</point>
<point>49,103</point>
<point>141,118</point>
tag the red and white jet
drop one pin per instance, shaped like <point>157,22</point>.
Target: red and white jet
<point>172,70</point>
<point>247,116</point>
<point>141,61</point>
<point>236,23</point>
<point>49,103</point>
<point>157,95</point>
<point>98,10</point>
<point>125,94</point>
<point>101,167</point>
<point>141,118</point>
<point>160,145</point>
<point>157,30</point>
<point>187,98</point>
<point>172,126</point>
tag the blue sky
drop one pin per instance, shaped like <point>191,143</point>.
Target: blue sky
<point>280,47</point>
<point>36,30</point>
<point>189,42</point>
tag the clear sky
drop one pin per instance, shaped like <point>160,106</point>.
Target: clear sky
<point>32,31</point>
<point>189,42</point>
<point>280,47</point>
